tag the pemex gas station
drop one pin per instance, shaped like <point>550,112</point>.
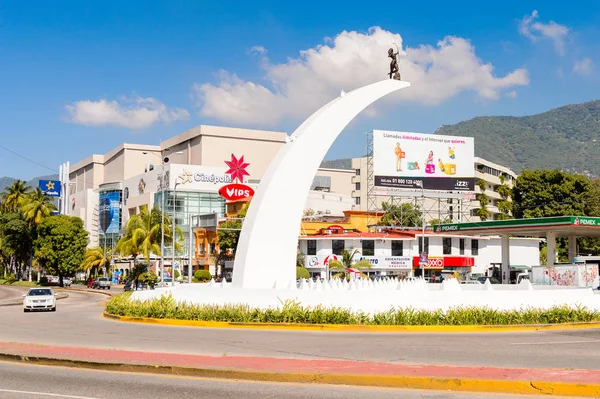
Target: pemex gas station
<point>549,228</point>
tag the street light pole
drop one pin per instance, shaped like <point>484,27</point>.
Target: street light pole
<point>173,233</point>
<point>162,224</point>
<point>422,231</point>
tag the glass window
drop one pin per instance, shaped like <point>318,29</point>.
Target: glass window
<point>368,247</point>
<point>338,246</point>
<point>474,247</point>
<point>397,248</point>
<point>311,247</point>
<point>461,246</point>
<point>357,186</point>
<point>420,239</point>
<point>212,248</point>
<point>357,172</point>
<point>447,246</point>
<point>357,200</point>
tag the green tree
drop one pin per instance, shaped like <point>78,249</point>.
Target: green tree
<point>229,232</point>
<point>37,206</point>
<point>61,244</point>
<point>14,196</point>
<point>347,263</point>
<point>436,221</point>
<point>17,239</point>
<point>299,259</point>
<point>143,235</point>
<point>95,259</point>
<point>405,215</point>
<point>302,272</point>
<point>545,193</point>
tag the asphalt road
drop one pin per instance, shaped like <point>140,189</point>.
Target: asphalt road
<point>20,381</point>
<point>78,322</point>
<point>9,293</point>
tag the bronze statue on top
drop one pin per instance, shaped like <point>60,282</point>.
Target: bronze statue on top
<point>394,71</point>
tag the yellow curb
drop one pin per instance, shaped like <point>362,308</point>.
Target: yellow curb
<point>353,328</point>
<point>430,383</point>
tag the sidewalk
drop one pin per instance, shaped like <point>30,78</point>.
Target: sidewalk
<point>585,383</point>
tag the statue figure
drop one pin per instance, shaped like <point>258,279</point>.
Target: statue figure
<point>394,72</point>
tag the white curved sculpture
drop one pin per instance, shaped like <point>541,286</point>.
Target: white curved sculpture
<point>266,252</point>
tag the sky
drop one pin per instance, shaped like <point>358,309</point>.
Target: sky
<point>82,77</point>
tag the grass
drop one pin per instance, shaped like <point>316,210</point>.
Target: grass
<point>19,283</point>
<point>165,307</point>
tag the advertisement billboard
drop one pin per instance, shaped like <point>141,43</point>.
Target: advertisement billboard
<point>423,161</point>
<point>109,211</point>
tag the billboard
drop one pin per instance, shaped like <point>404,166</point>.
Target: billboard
<point>50,188</point>
<point>423,161</point>
<point>109,211</point>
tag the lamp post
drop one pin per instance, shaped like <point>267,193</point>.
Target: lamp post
<point>173,232</point>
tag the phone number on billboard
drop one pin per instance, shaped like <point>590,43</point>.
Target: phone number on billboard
<point>437,183</point>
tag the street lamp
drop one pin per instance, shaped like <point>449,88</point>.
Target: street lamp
<point>163,161</point>
<point>173,232</point>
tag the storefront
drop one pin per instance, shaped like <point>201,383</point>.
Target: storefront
<point>438,266</point>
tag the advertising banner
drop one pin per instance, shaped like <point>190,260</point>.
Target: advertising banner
<point>423,161</point>
<point>50,188</point>
<point>109,212</point>
<point>389,262</point>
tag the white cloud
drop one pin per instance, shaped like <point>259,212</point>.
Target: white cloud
<point>583,67</point>
<point>133,113</point>
<point>258,50</point>
<point>512,94</point>
<point>301,85</point>
<point>536,30</point>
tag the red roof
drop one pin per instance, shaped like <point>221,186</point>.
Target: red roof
<point>391,234</point>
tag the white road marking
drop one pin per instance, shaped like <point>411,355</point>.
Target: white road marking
<point>55,395</point>
<point>555,342</point>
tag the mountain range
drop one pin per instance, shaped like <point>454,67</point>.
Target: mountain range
<point>7,181</point>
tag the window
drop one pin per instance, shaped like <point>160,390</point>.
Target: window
<point>420,239</point>
<point>461,246</point>
<point>311,247</point>
<point>357,200</point>
<point>201,249</point>
<point>447,246</point>
<point>338,246</point>
<point>397,248</point>
<point>357,186</point>
<point>474,247</point>
<point>213,248</point>
<point>357,172</point>
<point>368,247</point>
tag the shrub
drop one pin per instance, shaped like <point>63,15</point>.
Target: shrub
<point>148,278</point>
<point>10,278</point>
<point>165,307</point>
<point>202,275</point>
<point>177,274</point>
<point>302,272</point>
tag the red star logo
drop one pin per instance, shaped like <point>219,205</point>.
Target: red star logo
<point>237,168</point>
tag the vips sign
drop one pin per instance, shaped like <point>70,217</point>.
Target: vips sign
<point>234,192</point>
<point>51,188</point>
<point>423,161</point>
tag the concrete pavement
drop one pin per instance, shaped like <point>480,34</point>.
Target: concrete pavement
<point>28,381</point>
<point>78,322</point>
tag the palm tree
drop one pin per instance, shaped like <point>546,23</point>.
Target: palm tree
<point>143,235</point>
<point>37,206</point>
<point>346,264</point>
<point>95,259</point>
<point>15,195</point>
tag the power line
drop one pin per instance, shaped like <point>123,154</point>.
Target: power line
<point>28,159</point>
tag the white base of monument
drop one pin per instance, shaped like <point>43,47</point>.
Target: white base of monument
<point>370,297</point>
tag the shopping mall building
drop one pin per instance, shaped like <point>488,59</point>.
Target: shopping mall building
<point>183,175</point>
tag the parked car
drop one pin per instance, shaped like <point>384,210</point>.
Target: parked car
<point>90,283</point>
<point>101,283</point>
<point>67,281</point>
<point>39,299</point>
<point>493,280</point>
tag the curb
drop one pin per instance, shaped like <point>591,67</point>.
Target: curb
<point>428,383</point>
<point>91,291</point>
<point>20,301</point>
<point>352,328</point>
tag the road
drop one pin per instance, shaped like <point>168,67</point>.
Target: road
<point>9,294</point>
<point>20,381</point>
<point>78,322</point>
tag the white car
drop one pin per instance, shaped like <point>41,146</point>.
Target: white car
<point>39,299</point>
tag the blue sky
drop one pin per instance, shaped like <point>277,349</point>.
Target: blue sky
<point>81,77</point>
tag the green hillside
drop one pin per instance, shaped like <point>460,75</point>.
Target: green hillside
<point>566,138</point>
